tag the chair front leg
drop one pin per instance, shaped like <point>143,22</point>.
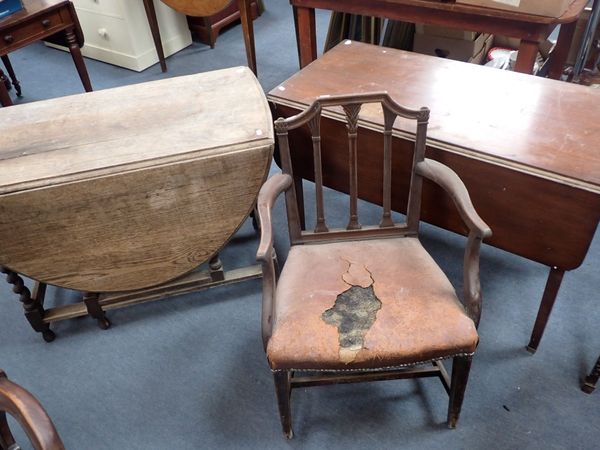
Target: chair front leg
<point>283,389</point>
<point>461,365</point>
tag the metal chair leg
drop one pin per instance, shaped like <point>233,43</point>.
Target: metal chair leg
<point>461,366</point>
<point>283,390</point>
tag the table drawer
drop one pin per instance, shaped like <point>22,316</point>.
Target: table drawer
<point>112,8</point>
<point>20,35</point>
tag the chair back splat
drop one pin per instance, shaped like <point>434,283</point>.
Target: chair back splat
<point>351,106</point>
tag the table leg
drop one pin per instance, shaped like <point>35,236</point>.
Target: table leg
<point>550,292</point>
<point>153,22</point>
<point>528,51</point>
<point>78,59</point>
<point>590,382</point>
<point>295,12</point>
<point>561,51</point>
<point>4,96</point>
<point>306,33</point>
<point>12,74</point>
<point>34,310</point>
<point>248,30</point>
<point>95,310</point>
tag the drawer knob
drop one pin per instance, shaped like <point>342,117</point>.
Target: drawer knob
<point>102,32</point>
<point>46,23</point>
<point>9,39</point>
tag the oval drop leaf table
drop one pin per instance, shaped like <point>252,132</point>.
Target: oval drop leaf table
<point>125,189</point>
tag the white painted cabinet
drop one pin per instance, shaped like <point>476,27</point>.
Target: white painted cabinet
<point>117,32</point>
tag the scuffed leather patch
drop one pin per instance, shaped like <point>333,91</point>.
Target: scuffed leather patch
<point>353,313</point>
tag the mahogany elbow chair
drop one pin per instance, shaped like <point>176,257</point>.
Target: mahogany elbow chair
<point>30,414</point>
<point>365,303</point>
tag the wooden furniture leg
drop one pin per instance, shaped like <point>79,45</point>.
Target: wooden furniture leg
<point>4,79</point>
<point>95,310</point>
<point>550,293</point>
<point>248,30</point>
<point>590,382</point>
<point>528,51</point>
<point>461,365</point>
<point>4,96</point>
<point>78,59</point>
<point>34,310</point>
<point>12,75</point>
<point>307,35</point>
<point>153,22</point>
<point>295,12</point>
<point>215,267</point>
<point>561,51</point>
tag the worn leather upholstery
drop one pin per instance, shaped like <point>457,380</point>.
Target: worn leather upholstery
<point>420,318</point>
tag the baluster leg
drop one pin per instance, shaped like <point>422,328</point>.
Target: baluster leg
<point>34,311</point>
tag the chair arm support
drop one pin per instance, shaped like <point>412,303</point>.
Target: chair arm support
<point>29,413</point>
<point>267,196</point>
<point>448,180</point>
<point>478,230</point>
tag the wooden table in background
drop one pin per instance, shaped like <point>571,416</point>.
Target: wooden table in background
<point>531,29</point>
<point>51,20</point>
<point>526,148</point>
<point>186,7</point>
<point>106,194</point>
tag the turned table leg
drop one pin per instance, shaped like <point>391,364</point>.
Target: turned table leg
<point>550,292</point>
<point>4,96</point>
<point>34,310</point>
<point>12,75</point>
<point>78,59</point>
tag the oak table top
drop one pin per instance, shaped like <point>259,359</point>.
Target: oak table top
<point>119,189</point>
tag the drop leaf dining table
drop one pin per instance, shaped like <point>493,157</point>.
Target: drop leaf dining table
<point>122,193</point>
<point>525,147</point>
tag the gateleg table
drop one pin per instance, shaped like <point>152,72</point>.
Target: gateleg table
<point>122,196</point>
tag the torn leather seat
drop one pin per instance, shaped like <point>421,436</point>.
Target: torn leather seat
<point>419,317</point>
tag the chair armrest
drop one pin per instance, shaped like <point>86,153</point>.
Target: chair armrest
<point>448,180</point>
<point>478,230</point>
<point>267,196</point>
<point>30,414</point>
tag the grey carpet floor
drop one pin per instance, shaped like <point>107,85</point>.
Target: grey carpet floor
<point>189,372</point>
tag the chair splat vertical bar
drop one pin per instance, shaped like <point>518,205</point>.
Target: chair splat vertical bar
<point>416,184</point>
<point>314,125</point>
<point>352,110</point>
<point>295,230</point>
<point>389,119</point>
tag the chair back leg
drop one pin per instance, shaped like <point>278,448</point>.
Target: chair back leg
<point>461,365</point>
<point>284,390</point>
